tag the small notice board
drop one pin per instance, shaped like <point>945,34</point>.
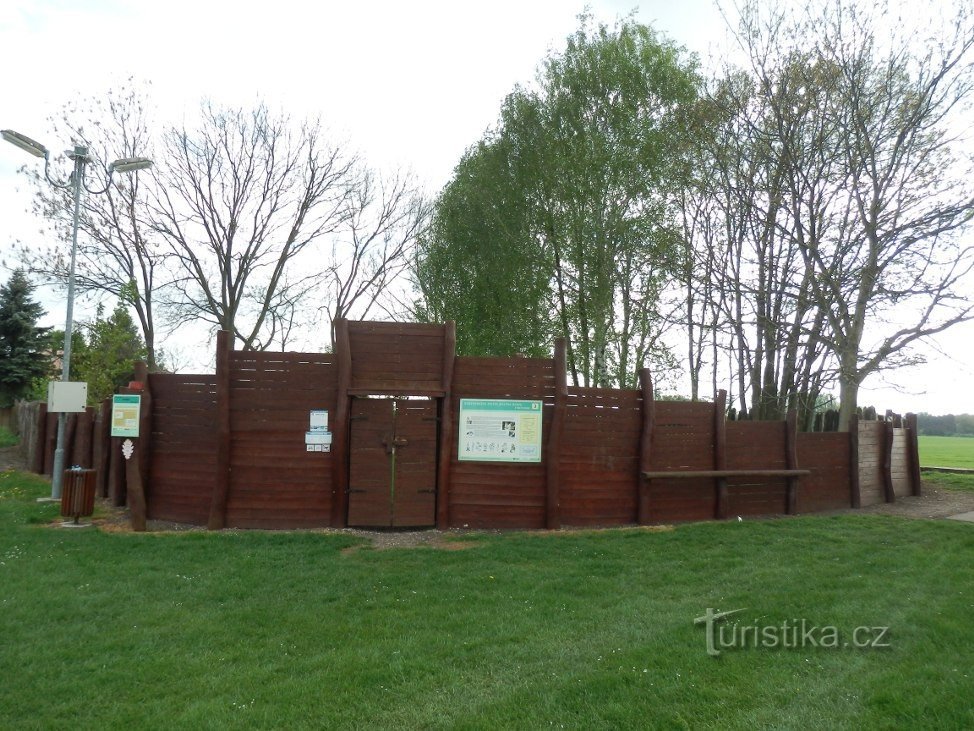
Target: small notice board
<point>125,415</point>
<point>499,430</point>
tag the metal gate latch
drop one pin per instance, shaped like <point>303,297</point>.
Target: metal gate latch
<point>392,444</point>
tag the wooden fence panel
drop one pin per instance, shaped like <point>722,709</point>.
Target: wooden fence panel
<point>871,439</point>
<point>756,445</point>
<point>683,439</point>
<point>495,494</point>
<point>396,357</point>
<point>274,481</point>
<point>827,455</point>
<point>182,459</point>
<point>599,462</point>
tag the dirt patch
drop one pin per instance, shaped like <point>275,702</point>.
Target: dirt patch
<point>386,540</point>
<point>935,502</point>
<point>12,459</point>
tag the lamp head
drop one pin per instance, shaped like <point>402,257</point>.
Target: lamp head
<point>130,164</point>
<point>24,142</point>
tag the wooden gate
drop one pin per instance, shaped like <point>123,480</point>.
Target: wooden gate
<point>392,463</point>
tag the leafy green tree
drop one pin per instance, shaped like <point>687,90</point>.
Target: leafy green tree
<point>107,359</point>
<point>480,266</point>
<point>22,343</point>
<point>573,190</point>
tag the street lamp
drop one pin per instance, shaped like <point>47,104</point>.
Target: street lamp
<point>76,183</point>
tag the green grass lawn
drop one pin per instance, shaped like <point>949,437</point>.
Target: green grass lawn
<point>946,451</point>
<point>949,480</point>
<point>523,630</point>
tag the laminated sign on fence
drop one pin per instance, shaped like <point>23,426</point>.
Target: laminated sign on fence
<point>499,430</point>
<point>125,415</point>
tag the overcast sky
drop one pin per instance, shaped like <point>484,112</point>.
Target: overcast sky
<point>409,83</point>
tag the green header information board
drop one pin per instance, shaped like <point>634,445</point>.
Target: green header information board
<point>499,430</point>
<point>125,415</point>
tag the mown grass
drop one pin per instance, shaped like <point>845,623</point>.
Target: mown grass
<point>946,451</point>
<point>580,630</point>
<point>948,480</point>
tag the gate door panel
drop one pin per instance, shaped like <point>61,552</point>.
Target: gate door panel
<point>392,463</point>
<point>369,472</point>
<point>414,489</point>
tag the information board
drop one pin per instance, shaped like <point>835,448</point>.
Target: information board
<point>499,430</point>
<point>125,415</point>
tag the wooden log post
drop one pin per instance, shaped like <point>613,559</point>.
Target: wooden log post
<point>553,444</point>
<point>855,494</point>
<point>887,444</point>
<point>116,473</point>
<point>69,440</point>
<point>145,425</point>
<point>40,440</point>
<point>103,441</point>
<point>81,450</point>
<point>720,454</point>
<point>135,484</point>
<point>791,461</point>
<point>221,485</point>
<point>645,447</point>
<point>447,438</point>
<point>339,458</point>
<point>50,442</point>
<point>913,449</point>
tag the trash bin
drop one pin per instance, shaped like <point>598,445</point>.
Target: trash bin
<point>78,493</point>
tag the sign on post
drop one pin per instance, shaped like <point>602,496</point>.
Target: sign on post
<point>499,430</point>
<point>125,415</point>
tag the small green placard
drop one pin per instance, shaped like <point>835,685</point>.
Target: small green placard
<point>499,430</point>
<point>125,415</point>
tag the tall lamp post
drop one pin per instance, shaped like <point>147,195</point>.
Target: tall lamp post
<point>76,183</point>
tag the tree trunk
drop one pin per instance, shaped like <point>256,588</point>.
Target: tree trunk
<point>848,393</point>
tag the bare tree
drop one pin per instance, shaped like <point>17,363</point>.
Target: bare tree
<point>242,202</point>
<point>890,267</point>
<point>381,221</point>
<point>844,198</point>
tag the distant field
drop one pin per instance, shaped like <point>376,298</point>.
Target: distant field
<point>947,452</point>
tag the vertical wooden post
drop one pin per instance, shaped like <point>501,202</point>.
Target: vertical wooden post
<point>645,447</point>
<point>720,454</point>
<point>70,436</point>
<point>855,496</point>
<point>339,457</point>
<point>135,470</point>
<point>887,440</point>
<point>50,441</point>
<point>40,439</point>
<point>145,428</point>
<point>81,449</point>
<point>553,443</point>
<point>103,441</point>
<point>116,473</point>
<point>221,486</point>
<point>791,460</point>
<point>446,427</point>
<point>913,449</point>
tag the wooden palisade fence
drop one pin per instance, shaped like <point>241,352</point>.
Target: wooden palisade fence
<point>228,449</point>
